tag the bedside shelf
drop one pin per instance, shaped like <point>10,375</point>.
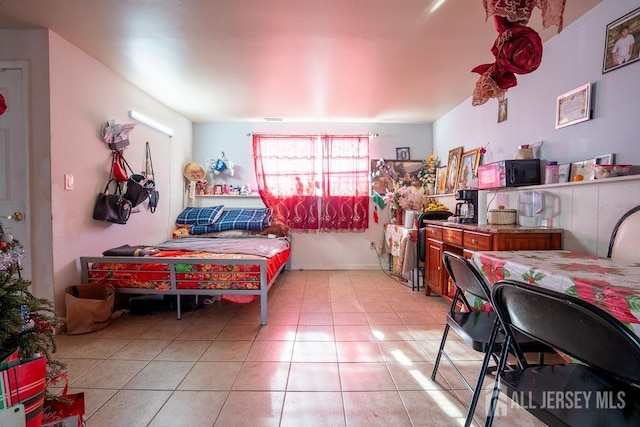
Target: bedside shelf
<point>228,200</point>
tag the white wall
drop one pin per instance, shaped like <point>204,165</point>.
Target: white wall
<point>85,94</point>
<point>323,250</point>
<point>71,96</point>
<point>572,58</point>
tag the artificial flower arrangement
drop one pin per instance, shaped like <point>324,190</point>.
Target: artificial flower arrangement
<point>427,173</point>
<point>405,197</point>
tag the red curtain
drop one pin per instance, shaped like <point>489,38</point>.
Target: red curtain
<point>345,183</point>
<point>287,170</point>
<point>311,189</point>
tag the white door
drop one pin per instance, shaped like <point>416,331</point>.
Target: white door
<point>14,177</point>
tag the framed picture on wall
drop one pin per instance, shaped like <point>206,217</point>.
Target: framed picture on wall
<point>502,110</point>
<point>441,180</point>
<point>582,171</point>
<point>574,106</point>
<point>622,46</point>
<point>563,172</point>
<point>468,166</point>
<point>403,153</point>
<point>606,159</point>
<point>392,171</point>
<point>453,165</point>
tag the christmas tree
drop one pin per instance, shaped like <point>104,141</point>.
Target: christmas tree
<point>27,323</point>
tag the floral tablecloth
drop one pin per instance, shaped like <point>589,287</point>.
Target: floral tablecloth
<point>402,243</point>
<point>611,285</point>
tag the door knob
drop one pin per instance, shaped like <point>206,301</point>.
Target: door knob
<point>17,216</point>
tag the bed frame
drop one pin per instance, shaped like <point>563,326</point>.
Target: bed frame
<point>86,264</point>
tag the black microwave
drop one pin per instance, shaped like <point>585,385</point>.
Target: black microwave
<point>509,173</point>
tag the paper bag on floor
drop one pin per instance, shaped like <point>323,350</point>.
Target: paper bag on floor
<point>89,307</point>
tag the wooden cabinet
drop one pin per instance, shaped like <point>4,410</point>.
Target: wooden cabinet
<point>463,239</point>
<point>434,270</point>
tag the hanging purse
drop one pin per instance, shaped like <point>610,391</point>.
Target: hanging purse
<point>118,169</point>
<point>139,186</point>
<point>154,195</point>
<point>112,207</point>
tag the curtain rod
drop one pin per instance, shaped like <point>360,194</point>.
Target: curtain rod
<point>370,135</point>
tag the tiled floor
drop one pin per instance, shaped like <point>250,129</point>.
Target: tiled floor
<point>341,348</point>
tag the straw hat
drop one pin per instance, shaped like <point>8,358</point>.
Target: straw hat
<point>194,171</point>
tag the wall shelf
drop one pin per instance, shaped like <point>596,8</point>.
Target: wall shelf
<point>246,196</point>
<point>228,200</point>
<point>613,180</point>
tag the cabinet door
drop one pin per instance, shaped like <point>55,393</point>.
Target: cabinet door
<point>434,268</point>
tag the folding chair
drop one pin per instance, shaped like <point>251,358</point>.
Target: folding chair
<point>600,390</point>
<point>478,329</point>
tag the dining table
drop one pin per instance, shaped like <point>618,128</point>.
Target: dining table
<point>610,284</point>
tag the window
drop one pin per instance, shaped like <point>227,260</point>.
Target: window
<point>314,182</point>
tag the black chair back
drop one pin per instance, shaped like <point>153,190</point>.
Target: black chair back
<point>629,221</point>
<point>465,276</point>
<point>570,325</point>
<point>422,232</point>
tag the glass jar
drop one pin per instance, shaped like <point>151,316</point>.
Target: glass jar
<point>552,173</point>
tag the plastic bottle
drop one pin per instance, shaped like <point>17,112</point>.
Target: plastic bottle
<point>551,175</point>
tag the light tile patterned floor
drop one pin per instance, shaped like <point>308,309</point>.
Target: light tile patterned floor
<point>341,348</point>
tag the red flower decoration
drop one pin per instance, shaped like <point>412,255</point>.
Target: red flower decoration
<point>493,269</point>
<point>587,289</point>
<point>588,268</point>
<point>618,305</point>
<point>601,294</point>
<point>578,255</point>
<point>517,49</point>
<point>3,105</point>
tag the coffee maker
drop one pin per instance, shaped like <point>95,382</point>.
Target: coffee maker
<point>467,208</point>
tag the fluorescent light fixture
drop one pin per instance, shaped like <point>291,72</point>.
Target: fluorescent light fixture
<point>150,122</point>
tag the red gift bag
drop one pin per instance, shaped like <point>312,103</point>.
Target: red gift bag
<point>24,381</point>
<point>65,412</point>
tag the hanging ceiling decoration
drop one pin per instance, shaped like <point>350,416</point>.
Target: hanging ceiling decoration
<point>3,105</point>
<point>517,49</point>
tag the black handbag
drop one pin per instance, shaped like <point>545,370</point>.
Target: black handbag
<point>112,207</point>
<point>154,195</point>
<point>138,188</point>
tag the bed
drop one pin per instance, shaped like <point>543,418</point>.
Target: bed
<point>243,259</point>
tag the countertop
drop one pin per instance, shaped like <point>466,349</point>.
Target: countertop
<point>494,228</point>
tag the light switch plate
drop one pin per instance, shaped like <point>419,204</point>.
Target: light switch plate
<point>68,182</point>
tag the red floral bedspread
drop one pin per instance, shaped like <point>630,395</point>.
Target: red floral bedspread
<point>188,276</point>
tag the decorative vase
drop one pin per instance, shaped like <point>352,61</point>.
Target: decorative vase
<point>399,217</point>
<point>431,188</point>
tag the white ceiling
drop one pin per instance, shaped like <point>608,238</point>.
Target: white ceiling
<point>244,60</point>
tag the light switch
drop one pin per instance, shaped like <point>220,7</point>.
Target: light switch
<point>68,182</point>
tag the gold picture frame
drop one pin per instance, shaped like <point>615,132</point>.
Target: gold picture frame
<point>453,164</point>
<point>468,166</point>
<point>441,180</point>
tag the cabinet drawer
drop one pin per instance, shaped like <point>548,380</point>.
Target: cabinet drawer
<point>434,232</point>
<point>451,235</point>
<point>477,241</point>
